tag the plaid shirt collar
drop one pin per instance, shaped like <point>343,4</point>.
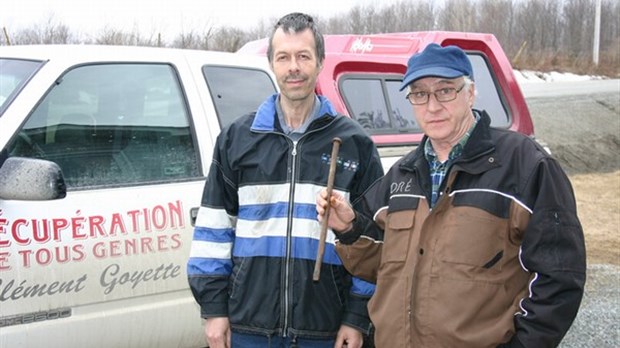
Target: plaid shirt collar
<point>439,170</point>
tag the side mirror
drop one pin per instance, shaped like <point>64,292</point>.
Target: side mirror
<point>30,179</point>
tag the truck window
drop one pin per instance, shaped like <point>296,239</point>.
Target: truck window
<point>112,124</point>
<point>488,97</point>
<point>14,73</point>
<point>375,102</point>
<point>237,91</point>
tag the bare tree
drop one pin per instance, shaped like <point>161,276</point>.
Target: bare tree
<point>497,17</point>
<point>335,25</point>
<point>539,27</point>
<point>262,29</point>
<point>406,16</point>
<point>610,32</point>
<point>110,36</point>
<point>550,26</point>
<point>356,20</point>
<point>381,21</point>
<point>527,15</point>
<point>458,15</point>
<point>51,32</point>
<point>579,25</point>
<point>228,39</point>
<point>194,40</point>
<point>544,33</point>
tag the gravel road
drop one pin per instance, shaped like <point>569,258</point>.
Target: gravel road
<point>598,321</point>
<point>583,131</point>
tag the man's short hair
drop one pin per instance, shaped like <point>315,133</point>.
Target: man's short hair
<point>295,23</point>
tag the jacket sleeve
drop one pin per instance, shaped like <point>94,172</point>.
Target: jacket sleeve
<point>360,248</point>
<point>356,314</point>
<point>553,251</point>
<point>210,262</point>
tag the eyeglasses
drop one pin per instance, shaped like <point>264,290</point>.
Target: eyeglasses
<point>442,95</point>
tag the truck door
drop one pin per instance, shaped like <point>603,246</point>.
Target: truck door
<point>104,266</point>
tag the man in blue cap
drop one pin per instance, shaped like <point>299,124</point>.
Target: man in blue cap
<point>472,239</point>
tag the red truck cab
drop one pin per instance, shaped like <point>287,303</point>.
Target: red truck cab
<point>362,74</point>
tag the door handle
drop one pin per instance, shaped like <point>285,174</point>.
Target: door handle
<point>193,214</point>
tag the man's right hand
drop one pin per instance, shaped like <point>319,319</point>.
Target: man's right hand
<point>217,332</point>
<point>341,214</point>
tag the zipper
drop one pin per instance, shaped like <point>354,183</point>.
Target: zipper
<point>289,227</point>
<point>289,238</point>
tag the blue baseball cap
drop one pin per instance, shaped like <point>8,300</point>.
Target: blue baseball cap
<point>449,62</point>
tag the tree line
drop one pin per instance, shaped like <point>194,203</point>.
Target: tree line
<point>536,34</point>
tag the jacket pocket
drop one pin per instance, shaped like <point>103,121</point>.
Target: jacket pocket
<point>238,277</point>
<point>390,311</point>
<point>399,229</point>
<point>473,238</point>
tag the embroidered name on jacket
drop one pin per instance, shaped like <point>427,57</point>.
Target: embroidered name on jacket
<point>401,187</point>
<point>341,164</point>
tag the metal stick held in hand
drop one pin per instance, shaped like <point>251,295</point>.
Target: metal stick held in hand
<point>330,186</point>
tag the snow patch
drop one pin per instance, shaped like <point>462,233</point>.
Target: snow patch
<point>528,76</point>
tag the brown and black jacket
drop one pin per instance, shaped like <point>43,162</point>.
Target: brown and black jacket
<point>499,261</point>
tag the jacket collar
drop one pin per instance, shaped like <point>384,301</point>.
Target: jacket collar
<point>267,116</point>
<point>479,144</point>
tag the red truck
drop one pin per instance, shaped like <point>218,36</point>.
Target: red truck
<point>362,73</point>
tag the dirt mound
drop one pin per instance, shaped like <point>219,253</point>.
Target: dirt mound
<point>582,132</point>
<point>598,205</point>
<point>597,156</point>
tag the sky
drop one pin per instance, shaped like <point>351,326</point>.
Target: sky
<point>169,17</point>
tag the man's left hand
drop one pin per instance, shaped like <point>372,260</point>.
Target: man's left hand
<point>349,337</point>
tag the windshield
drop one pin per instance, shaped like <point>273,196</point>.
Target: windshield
<point>14,73</point>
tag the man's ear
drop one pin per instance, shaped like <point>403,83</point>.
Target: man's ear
<point>472,95</point>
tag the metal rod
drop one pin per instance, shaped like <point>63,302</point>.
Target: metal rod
<point>330,186</point>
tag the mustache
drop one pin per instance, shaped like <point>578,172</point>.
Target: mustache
<point>295,77</point>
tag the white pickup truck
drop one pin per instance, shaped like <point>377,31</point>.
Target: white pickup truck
<point>132,130</point>
<point>103,156</point>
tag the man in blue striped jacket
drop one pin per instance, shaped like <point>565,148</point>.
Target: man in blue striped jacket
<point>256,234</point>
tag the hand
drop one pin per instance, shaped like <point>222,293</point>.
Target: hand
<point>217,332</point>
<point>349,337</point>
<point>341,214</point>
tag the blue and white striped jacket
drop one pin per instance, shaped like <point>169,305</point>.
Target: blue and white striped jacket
<point>256,234</point>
